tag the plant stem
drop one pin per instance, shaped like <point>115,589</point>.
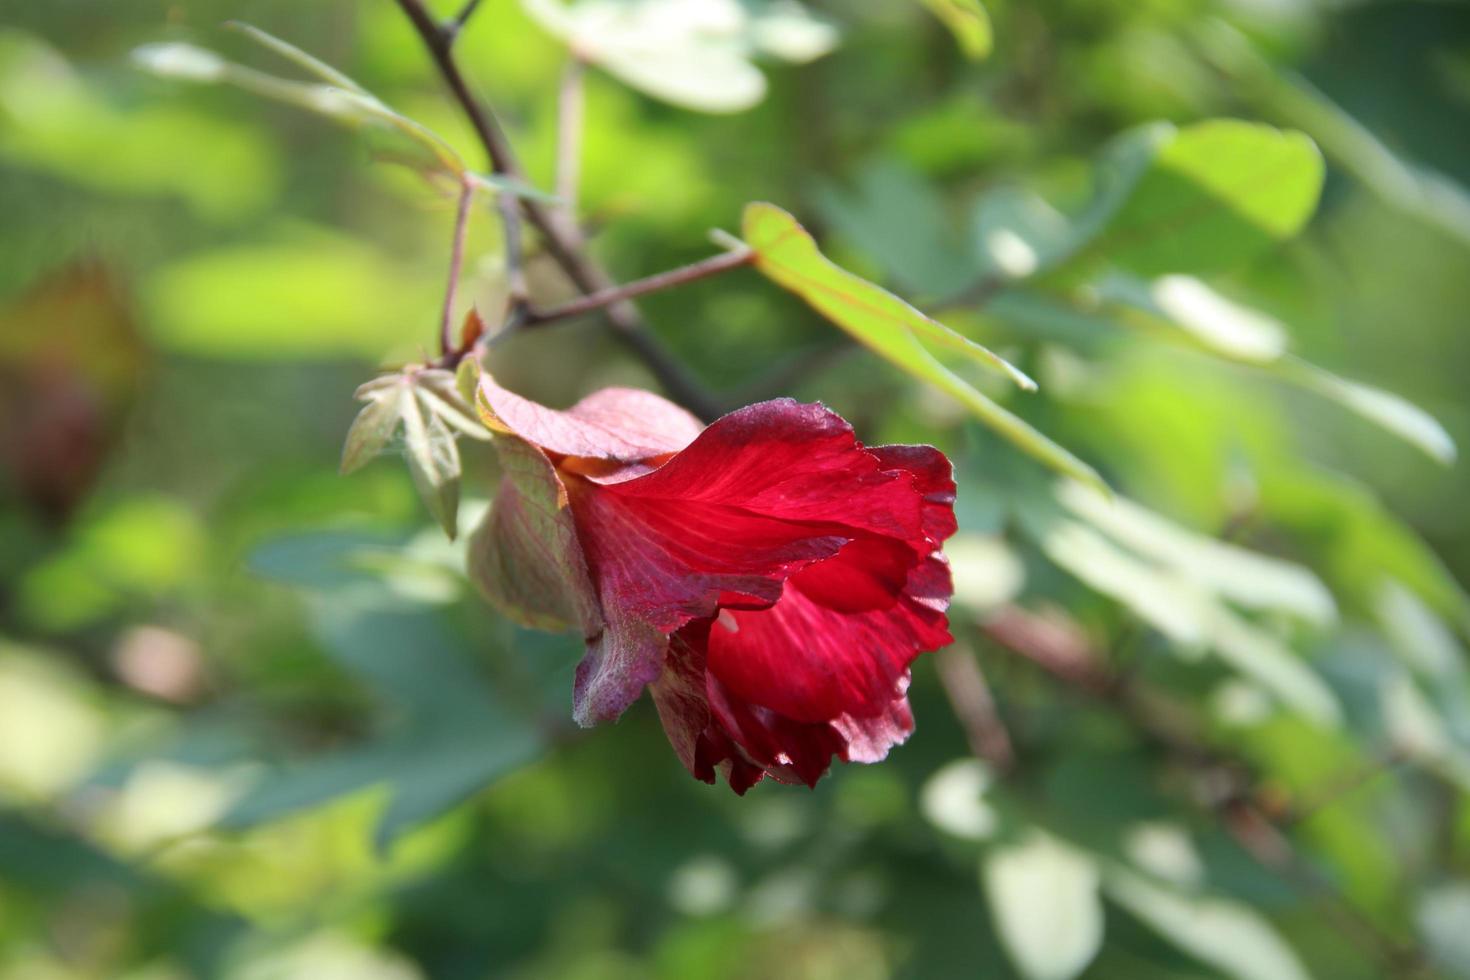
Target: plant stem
<point>563,240</point>
<point>571,99</point>
<point>456,260</point>
<point>969,695</point>
<point>702,269</point>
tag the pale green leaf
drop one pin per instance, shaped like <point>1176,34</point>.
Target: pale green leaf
<point>1207,318</point>
<point>1441,916</point>
<point>297,57</point>
<point>1017,234</point>
<point>953,800</point>
<point>433,462</point>
<point>440,394</point>
<point>1193,618</point>
<point>1383,408</point>
<point>349,106</point>
<point>1249,578</point>
<point>1226,935</point>
<point>786,254</point>
<point>968,22</point>
<point>372,428</point>
<point>692,53</point>
<point>1043,896</point>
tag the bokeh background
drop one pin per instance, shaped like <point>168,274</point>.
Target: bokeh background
<point>255,723</point>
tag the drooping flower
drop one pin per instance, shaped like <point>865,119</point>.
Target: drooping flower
<point>768,578</point>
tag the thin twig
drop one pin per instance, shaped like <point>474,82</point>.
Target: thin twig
<point>569,111</point>
<point>456,259</point>
<point>616,294</point>
<point>453,27</point>
<point>969,695</point>
<point>563,241</point>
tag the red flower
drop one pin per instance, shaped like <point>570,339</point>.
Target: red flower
<point>769,578</point>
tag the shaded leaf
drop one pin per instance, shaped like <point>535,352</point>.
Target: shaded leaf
<point>968,22</point>
<point>372,428</point>
<point>1043,896</point>
<point>1231,937</point>
<point>297,57</point>
<point>433,461</point>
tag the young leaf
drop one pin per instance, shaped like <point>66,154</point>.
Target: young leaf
<point>1043,895</point>
<point>787,255</point>
<point>968,22</point>
<point>372,428</point>
<point>433,461</point>
<point>1209,198</point>
<point>440,394</point>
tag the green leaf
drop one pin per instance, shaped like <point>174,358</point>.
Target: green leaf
<point>433,461</point>
<point>1210,197</point>
<point>969,23</point>
<point>1043,896</point>
<point>372,429</point>
<point>1231,937</point>
<point>296,56</point>
<point>787,255</point>
<point>351,106</point>
<point>1383,408</point>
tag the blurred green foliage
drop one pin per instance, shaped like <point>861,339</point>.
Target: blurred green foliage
<point>255,723</point>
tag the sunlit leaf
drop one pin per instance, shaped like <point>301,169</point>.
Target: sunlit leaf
<point>1017,234</point>
<point>1190,616</point>
<point>692,53</point>
<point>1043,896</point>
<point>1210,197</point>
<point>1252,579</point>
<point>953,800</point>
<point>1206,317</point>
<point>1229,936</point>
<point>969,23</point>
<point>786,254</point>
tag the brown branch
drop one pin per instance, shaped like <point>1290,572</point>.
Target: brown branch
<point>964,684</point>
<point>562,238</point>
<point>1059,647</point>
<point>639,287</point>
<point>456,260</point>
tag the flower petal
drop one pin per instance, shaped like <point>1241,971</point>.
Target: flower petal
<point>933,476</point>
<point>827,649</point>
<point>623,425</point>
<point>760,494</point>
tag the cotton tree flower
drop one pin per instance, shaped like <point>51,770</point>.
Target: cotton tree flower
<point>768,578</point>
